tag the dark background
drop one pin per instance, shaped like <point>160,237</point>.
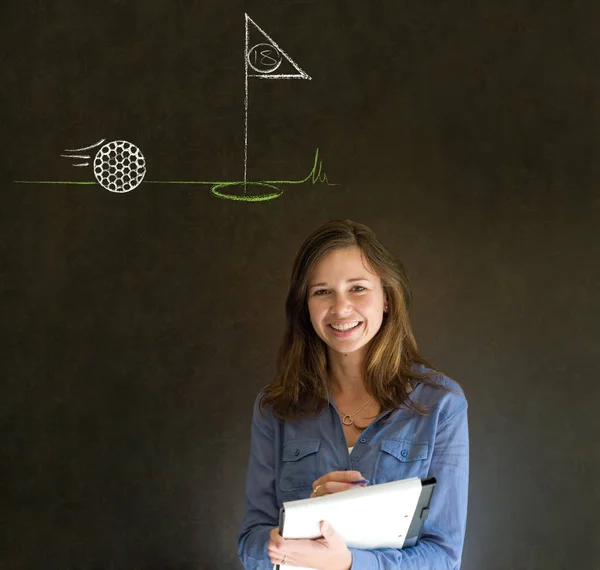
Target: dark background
<point>136,329</point>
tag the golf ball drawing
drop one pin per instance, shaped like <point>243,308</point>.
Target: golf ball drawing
<point>119,166</point>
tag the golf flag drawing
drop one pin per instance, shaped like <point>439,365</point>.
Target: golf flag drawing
<point>264,58</point>
<point>119,166</point>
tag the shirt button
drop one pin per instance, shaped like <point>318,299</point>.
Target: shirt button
<point>363,440</point>
<point>404,453</point>
<point>297,452</point>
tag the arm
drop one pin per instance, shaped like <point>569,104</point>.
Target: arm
<point>440,546</point>
<point>261,512</point>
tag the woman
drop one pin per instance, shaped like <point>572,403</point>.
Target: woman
<point>353,399</point>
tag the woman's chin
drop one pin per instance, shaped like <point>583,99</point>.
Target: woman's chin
<point>345,348</point>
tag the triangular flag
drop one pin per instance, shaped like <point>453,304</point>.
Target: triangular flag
<point>264,57</point>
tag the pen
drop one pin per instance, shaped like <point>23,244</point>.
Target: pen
<point>360,482</point>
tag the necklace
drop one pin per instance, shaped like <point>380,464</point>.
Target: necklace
<point>347,418</point>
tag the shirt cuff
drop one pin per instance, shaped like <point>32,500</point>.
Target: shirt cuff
<point>363,560</point>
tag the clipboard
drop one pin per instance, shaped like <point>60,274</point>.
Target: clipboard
<point>388,515</point>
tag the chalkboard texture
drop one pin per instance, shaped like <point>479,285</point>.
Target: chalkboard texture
<point>137,325</point>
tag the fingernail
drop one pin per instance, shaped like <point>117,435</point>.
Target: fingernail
<point>361,482</point>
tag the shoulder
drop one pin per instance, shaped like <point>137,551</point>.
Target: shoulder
<point>446,395</point>
<point>264,424</point>
<point>262,414</point>
<point>258,409</point>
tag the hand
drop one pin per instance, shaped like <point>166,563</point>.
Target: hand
<point>326,553</point>
<point>334,482</point>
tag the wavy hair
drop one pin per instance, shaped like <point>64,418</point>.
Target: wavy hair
<point>301,384</point>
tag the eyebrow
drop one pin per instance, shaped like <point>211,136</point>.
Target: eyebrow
<point>353,280</point>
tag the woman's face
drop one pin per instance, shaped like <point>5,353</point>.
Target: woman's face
<point>345,300</point>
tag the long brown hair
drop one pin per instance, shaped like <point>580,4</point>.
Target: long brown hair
<point>300,386</point>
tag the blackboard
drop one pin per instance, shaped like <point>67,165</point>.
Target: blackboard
<point>137,326</point>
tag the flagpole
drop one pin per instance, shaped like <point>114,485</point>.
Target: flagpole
<point>263,74</point>
<point>246,107</point>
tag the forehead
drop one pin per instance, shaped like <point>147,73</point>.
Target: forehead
<point>347,262</point>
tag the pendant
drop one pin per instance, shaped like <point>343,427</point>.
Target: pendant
<point>347,420</point>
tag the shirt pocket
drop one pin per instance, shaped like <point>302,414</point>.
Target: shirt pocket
<point>300,463</point>
<point>401,459</point>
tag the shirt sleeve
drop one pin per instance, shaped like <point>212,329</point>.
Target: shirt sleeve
<point>441,542</point>
<point>261,512</point>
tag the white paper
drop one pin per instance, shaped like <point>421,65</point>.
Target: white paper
<point>377,516</point>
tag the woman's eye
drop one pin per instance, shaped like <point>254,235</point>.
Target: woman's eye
<point>358,288</point>
<point>320,292</point>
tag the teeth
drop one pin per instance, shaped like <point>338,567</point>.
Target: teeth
<point>345,326</point>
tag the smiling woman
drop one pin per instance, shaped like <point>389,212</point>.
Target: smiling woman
<point>346,312</point>
<point>353,401</point>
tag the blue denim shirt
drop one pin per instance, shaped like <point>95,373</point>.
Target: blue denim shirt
<point>286,457</point>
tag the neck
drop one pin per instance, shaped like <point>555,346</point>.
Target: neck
<point>345,373</point>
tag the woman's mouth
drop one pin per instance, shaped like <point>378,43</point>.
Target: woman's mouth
<point>341,330</point>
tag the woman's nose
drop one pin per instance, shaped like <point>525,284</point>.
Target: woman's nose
<point>340,305</point>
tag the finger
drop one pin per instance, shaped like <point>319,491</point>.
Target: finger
<point>339,476</point>
<point>292,549</point>
<point>298,547</point>
<point>278,559</point>
<point>333,487</point>
<point>330,538</point>
<point>277,553</point>
<point>276,538</point>
<point>327,530</point>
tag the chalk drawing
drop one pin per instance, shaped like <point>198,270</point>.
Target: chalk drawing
<point>119,166</point>
<point>264,57</point>
<point>259,59</point>
<point>225,190</point>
